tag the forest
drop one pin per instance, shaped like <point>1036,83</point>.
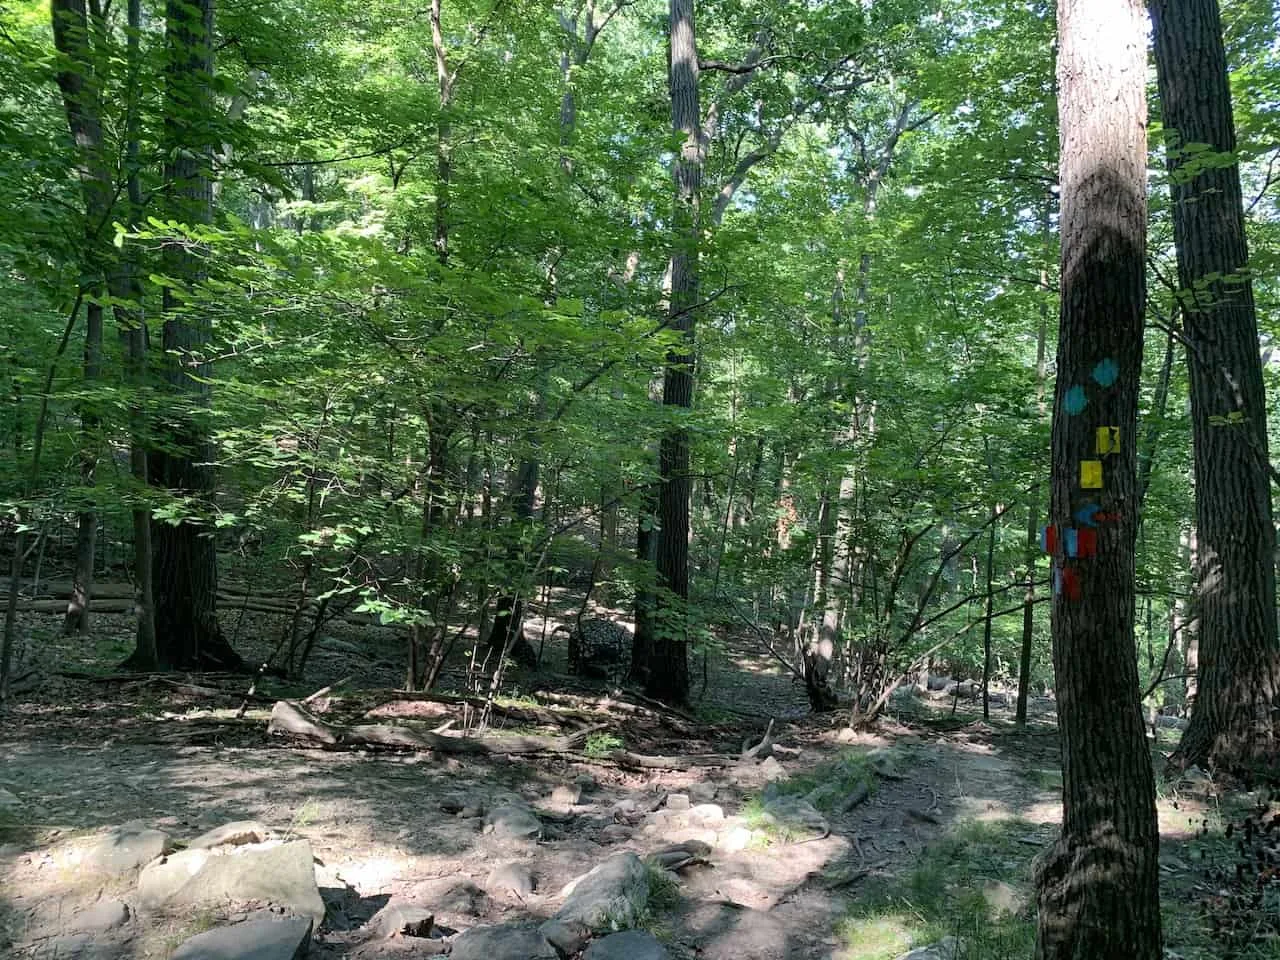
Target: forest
<point>638,479</point>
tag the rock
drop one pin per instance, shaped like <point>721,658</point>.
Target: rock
<point>702,792</point>
<point>103,917</point>
<point>678,801</point>
<point>126,848</point>
<point>706,813</point>
<point>513,822</point>
<point>462,898</point>
<point>510,878</point>
<point>948,948</point>
<point>402,920</point>
<point>616,833</point>
<point>231,835</point>
<point>735,839</point>
<point>70,946</point>
<point>998,699</point>
<point>938,683</point>
<point>796,819</point>
<point>1171,723</point>
<point>772,769</point>
<point>286,939</point>
<point>586,783</point>
<point>452,802</point>
<point>681,855</point>
<point>565,796</point>
<point>1002,899</point>
<point>823,794</point>
<point>507,941</point>
<point>568,938</point>
<point>627,945</point>
<point>282,875</point>
<point>611,896</point>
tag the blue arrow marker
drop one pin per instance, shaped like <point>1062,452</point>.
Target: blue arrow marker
<point>1084,516</point>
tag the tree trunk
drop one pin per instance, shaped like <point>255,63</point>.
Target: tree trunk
<point>1098,885</point>
<point>185,562</point>
<point>1234,725</point>
<point>668,678</point>
<point>80,84</point>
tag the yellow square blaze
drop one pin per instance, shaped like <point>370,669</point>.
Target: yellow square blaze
<point>1108,440</point>
<point>1091,474</point>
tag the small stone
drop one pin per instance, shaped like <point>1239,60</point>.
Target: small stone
<point>1002,899</point>
<point>702,792</point>
<point>102,917</point>
<point>586,782</point>
<point>286,939</point>
<point>513,822</point>
<point>507,941</point>
<point>627,945</point>
<point>772,770</point>
<point>706,813</point>
<point>463,898</point>
<point>510,878</point>
<point>565,796</point>
<point>678,801</point>
<point>948,948</point>
<point>452,802</point>
<point>797,820</point>
<point>567,937</point>
<point>231,835</point>
<point>734,839</point>
<point>616,833</point>
<point>126,848</point>
<point>402,920</point>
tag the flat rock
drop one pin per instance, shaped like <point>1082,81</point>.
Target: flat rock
<point>796,819</point>
<point>507,878</point>
<point>611,896</point>
<point>948,948</point>
<point>627,945</point>
<point>126,848</point>
<point>735,839</point>
<point>565,796</point>
<point>567,937</point>
<point>286,939</point>
<point>678,801</point>
<point>462,898</point>
<point>772,770</point>
<point>402,920</point>
<point>706,813</point>
<point>507,941</point>
<point>513,822</point>
<point>702,792</point>
<point>282,875</point>
<point>103,917</point>
<point>616,833</point>
<point>231,835</point>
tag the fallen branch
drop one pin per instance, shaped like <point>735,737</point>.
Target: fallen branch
<point>291,719</point>
<point>761,750</point>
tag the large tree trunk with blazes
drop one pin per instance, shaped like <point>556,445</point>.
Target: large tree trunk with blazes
<point>185,568</point>
<point>1098,886</point>
<point>1234,724</point>
<point>668,676</point>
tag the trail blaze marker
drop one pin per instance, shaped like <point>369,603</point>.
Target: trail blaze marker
<point>1049,539</point>
<point>1075,401</point>
<point>1091,474</point>
<point>1108,441</point>
<point>1106,372</point>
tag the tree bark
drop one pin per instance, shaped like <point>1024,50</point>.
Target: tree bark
<point>668,677</point>
<point>1098,885</point>
<point>80,84</point>
<point>185,560</point>
<point>1234,725</point>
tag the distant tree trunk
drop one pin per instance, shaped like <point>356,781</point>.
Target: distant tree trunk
<point>185,561</point>
<point>81,87</point>
<point>1098,885</point>
<point>131,324</point>
<point>989,612</point>
<point>668,678</point>
<point>1235,724</point>
<point>1034,505</point>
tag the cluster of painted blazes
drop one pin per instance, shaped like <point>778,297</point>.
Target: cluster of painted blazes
<point>1067,545</point>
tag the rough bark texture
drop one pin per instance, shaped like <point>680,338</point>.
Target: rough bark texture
<point>668,677</point>
<point>1234,723</point>
<point>1098,885</point>
<point>185,571</point>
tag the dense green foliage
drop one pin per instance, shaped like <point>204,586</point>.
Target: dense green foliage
<point>886,257</point>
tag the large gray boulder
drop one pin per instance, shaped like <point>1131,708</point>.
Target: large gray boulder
<point>281,875</point>
<point>286,939</point>
<point>513,821</point>
<point>613,896</point>
<point>627,945</point>
<point>126,848</point>
<point>103,917</point>
<point>507,941</point>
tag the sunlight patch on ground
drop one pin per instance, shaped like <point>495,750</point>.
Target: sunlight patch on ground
<point>881,938</point>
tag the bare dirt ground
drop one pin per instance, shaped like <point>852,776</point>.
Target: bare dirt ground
<point>83,755</point>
